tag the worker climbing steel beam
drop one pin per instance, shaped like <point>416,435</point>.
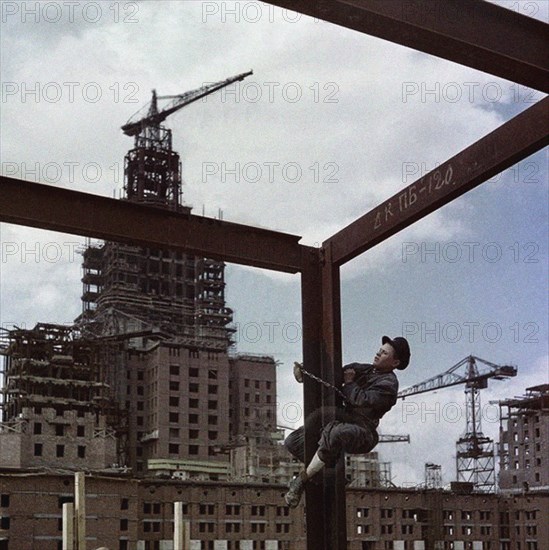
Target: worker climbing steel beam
<point>368,392</point>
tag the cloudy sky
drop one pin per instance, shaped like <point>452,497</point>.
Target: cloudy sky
<point>331,123</point>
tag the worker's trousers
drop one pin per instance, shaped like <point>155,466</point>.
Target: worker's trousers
<point>337,437</point>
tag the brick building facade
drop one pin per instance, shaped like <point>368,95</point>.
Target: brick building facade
<point>137,514</point>
<point>524,441</point>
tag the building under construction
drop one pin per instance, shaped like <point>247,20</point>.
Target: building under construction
<point>70,402</point>
<point>149,365</point>
<point>147,362</point>
<point>524,442</point>
<point>144,381</point>
<point>55,407</point>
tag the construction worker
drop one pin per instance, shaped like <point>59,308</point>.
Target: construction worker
<point>369,392</point>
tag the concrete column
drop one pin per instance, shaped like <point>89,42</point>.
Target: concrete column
<point>181,530</point>
<point>68,526</point>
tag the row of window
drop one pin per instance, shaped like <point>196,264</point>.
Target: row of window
<point>176,352</point>
<point>234,527</point>
<point>155,508</point>
<point>80,413</point>
<point>467,530</point>
<point>232,545</point>
<point>486,530</point>
<point>194,387</point>
<point>204,509</point>
<point>122,545</point>
<point>60,430</point>
<point>526,450</point>
<point>257,383</point>
<point>174,449</point>
<point>525,437</point>
<point>194,372</point>
<point>59,450</point>
<point>448,515</point>
<point>537,478</point>
<point>150,526</point>
<point>526,419</point>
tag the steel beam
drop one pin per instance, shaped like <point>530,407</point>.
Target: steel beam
<point>518,138</point>
<point>473,33</point>
<point>326,510</point>
<point>334,502</point>
<point>47,207</point>
<point>311,313</point>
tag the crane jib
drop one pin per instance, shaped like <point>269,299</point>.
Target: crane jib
<point>182,100</point>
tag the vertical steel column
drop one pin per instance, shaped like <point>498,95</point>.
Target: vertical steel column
<point>311,303</point>
<point>325,503</point>
<point>334,491</point>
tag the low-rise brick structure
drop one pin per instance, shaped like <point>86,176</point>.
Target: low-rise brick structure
<point>138,514</point>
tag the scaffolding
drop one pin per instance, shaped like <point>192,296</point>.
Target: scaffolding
<point>47,367</point>
<point>161,293</point>
<point>55,402</point>
<point>368,471</point>
<point>433,476</point>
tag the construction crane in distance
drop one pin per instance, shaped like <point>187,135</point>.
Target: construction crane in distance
<point>475,451</point>
<point>153,119</point>
<point>383,438</point>
<point>152,169</point>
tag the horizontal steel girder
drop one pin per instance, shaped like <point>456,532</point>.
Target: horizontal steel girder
<point>53,208</point>
<point>473,33</point>
<point>515,140</point>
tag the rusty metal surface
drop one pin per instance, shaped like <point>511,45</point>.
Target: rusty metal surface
<point>335,528</point>
<point>326,513</point>
<point>311,311</point>
<point>518,138</point>
<point>473,33</point>
<point>47,207</point>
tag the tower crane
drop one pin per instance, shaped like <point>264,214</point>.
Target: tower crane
<point>151,122</point>
<point>152,169</point>
<point>475,451</point>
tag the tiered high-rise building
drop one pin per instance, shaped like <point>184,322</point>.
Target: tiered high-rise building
<point>159,376</point>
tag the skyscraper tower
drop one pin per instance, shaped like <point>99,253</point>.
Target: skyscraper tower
<point>160,316</point>
<point>144,378</point>
<point>131,289</point>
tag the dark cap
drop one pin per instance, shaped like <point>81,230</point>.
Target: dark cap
<point>402,350</point>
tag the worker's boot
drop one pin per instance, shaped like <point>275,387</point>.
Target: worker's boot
<point>296,488</point>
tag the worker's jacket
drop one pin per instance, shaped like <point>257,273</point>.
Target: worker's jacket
<point>370,395</point>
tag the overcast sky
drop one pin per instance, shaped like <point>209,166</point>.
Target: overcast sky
<point>331,123</point>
